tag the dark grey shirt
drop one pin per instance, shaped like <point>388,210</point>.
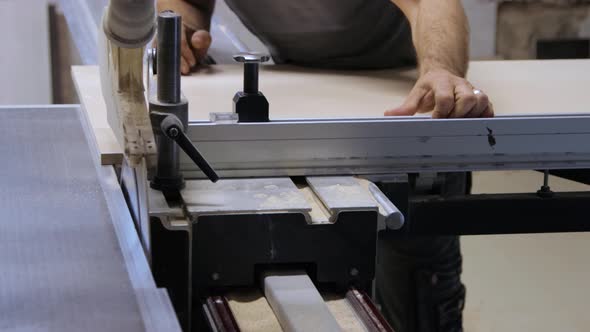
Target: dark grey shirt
<point>330,33</point>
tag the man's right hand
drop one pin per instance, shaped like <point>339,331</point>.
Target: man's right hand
<point>195,51</point>
<point>195,39</point>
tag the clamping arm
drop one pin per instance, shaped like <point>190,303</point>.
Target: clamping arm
<point>169,110</point>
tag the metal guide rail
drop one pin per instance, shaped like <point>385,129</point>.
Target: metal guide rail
<point>389,145</point>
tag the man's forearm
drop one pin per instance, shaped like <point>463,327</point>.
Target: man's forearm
<point>440,33</point>
<point>441,37</point>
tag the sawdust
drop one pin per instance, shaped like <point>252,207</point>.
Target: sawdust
<point>318,213</point>
<point>252,311</point>
<point>272,201</point>
<point>343,312</point>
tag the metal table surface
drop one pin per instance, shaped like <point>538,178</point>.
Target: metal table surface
<point>69,259</point>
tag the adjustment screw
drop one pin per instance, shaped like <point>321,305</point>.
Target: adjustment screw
<point>173,132</point>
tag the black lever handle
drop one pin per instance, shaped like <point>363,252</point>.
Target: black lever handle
<point>172,128</point>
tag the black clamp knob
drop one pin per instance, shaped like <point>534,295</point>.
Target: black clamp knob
<point>250,104</point>
<point>171,126</point>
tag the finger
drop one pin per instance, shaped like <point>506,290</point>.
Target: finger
<point>185,50</point>
<point>184,67</point>
<point>482,103</point>
<point>427,103</point>
<point>200,41</point>
<point>465,101</point>
<point>444,100</point>
<point>489,111</point>
<point>411,105</point>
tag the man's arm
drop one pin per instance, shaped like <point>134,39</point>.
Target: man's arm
<point>196,21</point>
<point>441,37</point>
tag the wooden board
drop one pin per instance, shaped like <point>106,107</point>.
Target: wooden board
<point>122,83</point>
<point>515,87</point>
<point>87,81</point>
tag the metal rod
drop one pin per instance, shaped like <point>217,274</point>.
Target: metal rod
<point>250,77</point>
<point>168,155</point>
<point>546,178</point>
<point>367,311</point>
<point>394,219</point>
<point>168,69</point>
<point>221,317</point>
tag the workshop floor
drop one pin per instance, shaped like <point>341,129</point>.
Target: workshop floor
<point>536,282</point>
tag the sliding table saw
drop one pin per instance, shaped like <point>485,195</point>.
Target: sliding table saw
<point>303,192</point>
<point>309,178</point>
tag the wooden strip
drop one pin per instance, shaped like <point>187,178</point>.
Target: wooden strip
<point>369,314</point>
<point>94,110</point>
<point>121,74</point>
<point>297,303</point>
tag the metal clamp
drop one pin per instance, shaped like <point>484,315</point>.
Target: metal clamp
<point>250,104</point>
<point>169,109</point>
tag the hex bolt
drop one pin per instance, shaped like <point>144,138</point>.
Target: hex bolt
<point>354,272</point>
<point>173,132</point>
<point>215,276</point>
<point>251,63</point>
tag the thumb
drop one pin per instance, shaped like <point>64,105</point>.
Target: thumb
<point>410,106</point>
<point>200,41</point>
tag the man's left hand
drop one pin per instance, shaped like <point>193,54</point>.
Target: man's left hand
<point>447,96</point>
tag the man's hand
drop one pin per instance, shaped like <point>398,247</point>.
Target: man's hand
<point>193,48</point>
<point>447,96</point>
<point>441,37</point>
<point>195,37</point>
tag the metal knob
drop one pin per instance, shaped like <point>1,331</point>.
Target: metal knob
<point>172,127</point>
<point>251,63</point>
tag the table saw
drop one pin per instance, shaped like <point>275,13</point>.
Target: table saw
<point>246,213</point>
<point>308,180</point>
